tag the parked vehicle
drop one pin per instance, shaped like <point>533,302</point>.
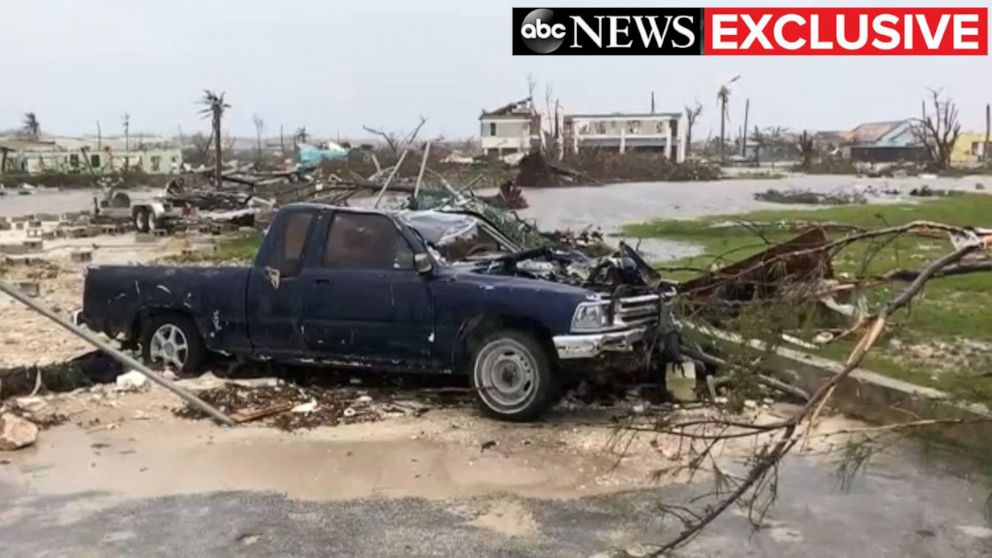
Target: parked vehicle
<point>346,287</point>
<point>144,212</point>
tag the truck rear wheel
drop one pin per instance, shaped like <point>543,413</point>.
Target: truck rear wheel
<point>142,219</point>
<point>512,376</point>
<point>174,342</point>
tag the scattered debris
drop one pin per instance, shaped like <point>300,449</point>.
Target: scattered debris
<point>132,381</point>
<point>808,197</point>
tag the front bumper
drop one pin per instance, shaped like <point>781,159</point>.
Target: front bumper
<point>592,345</point>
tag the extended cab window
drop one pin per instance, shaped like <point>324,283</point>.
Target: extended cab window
<point>291,235</point>
<point>366,241</point>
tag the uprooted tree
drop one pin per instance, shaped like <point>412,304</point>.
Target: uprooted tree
<point>938,130</point>
<point>798,288</point>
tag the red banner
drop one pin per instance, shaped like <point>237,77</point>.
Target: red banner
<point>846,31</point>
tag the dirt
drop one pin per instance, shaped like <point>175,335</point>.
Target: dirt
<point>959,355</point>
<point>36,340</point>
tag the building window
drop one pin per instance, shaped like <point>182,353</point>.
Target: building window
<point>601,127</point>
<point>95,161</point>
<point>675,127</point>
<point>492,128</point>
<point>74,161</point>
<point>156,163</point>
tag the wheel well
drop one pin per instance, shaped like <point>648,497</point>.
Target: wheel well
<point>145,316</point>
<point>475,329</point>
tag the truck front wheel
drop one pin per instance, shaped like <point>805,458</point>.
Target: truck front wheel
<point>173,341</point>
<point>512,376</point>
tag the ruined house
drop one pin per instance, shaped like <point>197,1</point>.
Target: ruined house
<point>512,128</point>
<point>85,155</point>
<point>663,132</point>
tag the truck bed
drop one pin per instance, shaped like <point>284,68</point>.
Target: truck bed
<point>116,298</point>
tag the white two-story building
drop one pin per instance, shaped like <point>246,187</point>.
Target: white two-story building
<point>513,128</point>
<point>622,132</point>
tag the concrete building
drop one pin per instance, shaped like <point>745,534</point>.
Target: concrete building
<point>971,149</point>
<point>512,128</point>
<point>83,155</point>
<point>622,132</point>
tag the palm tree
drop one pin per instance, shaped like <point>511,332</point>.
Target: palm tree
<point>31,127</point>
<point>213,106</point>
<point>301,135</point>
<point>722,98</point>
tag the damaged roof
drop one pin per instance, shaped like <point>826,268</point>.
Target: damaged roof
<point>522,108</point>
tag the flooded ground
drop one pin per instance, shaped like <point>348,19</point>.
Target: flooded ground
<point>611,207</point>
<point>46,200</point>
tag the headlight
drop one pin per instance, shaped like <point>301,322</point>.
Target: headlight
<point>591,316</point>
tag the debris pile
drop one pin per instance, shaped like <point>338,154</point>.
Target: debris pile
<point>807,197</point>
<point>291,407</point>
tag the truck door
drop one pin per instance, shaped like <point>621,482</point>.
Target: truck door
<point>364,299</point>
<point>276,292</point>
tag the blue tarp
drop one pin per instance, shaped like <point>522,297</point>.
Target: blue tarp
<point>311,155</point>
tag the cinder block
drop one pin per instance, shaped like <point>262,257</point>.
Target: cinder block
<point>30,288</point>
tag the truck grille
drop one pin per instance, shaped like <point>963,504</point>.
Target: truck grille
<point>634,311</point>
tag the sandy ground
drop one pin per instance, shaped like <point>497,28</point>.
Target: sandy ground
<point>27,338</point>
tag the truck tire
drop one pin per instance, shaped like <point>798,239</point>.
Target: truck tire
<point>512,376</point>
<point>173,341</point>
<point>142,219</point>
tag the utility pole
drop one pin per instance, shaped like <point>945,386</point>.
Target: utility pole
<point>747,109</point>
<point>99,135</point>
<point>282,142</point>
<point>127,140</point>
<point>652,102</point>
<point>987,150</point>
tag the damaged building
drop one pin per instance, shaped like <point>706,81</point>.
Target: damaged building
<point>90,156</point>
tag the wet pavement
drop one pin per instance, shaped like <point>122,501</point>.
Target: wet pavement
<point>899,508</point>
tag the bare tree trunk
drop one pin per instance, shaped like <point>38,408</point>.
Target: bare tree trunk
<point>218,164</point>
<point>723,123</point>
<point>747,109</point>
<point>986,156</point>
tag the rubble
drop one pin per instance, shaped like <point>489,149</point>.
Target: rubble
<point>16,432</point>
<point>808,197</point>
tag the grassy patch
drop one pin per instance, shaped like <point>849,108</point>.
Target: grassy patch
<point>950,311</point>
<point>239,247</point>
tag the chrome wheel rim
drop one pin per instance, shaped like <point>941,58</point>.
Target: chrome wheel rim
<point>506,375</point>
<point>169,346</point>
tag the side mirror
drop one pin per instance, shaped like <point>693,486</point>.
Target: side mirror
<point>422,263</point>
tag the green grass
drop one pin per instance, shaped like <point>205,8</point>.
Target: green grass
<point>239,247</point>
<point>948,310</point>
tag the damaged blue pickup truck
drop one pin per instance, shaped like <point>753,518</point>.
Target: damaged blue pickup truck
<point>405,291</point>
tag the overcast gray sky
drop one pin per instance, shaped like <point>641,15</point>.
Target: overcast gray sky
<point>334,65</point>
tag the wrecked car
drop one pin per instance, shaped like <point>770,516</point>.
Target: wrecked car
<point>395,291</point>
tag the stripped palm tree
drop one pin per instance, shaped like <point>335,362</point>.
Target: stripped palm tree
<point>722,98</point>
<point>31,126</point>
<point>214,106</point>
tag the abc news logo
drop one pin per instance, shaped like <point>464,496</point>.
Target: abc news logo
<point>607,31</point>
